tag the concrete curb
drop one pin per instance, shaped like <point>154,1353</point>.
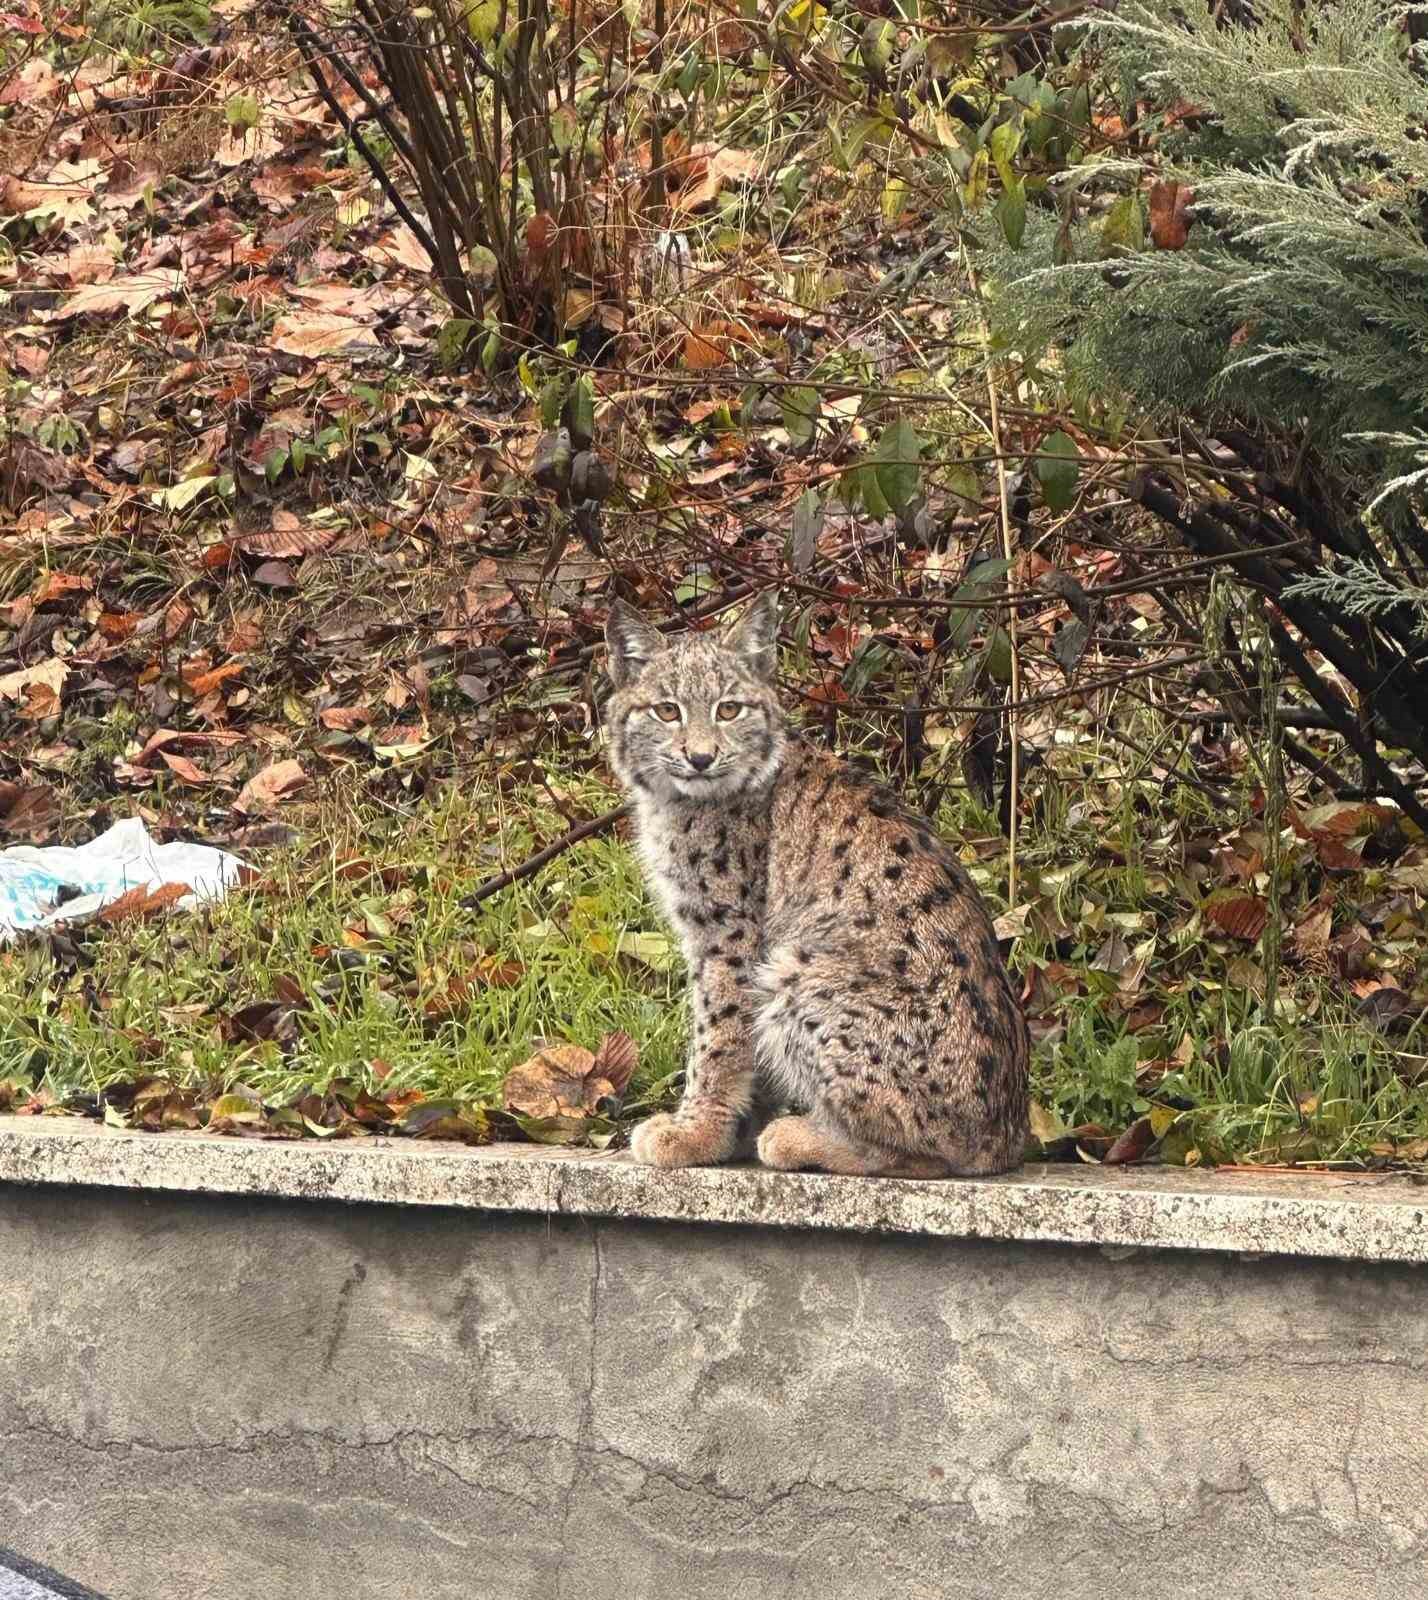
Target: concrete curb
<point>1372,1218</point>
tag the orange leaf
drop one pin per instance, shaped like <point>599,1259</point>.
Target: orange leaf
<point>55,586</point>
<point>1169,227</point>
<point>142,902</point>
<point>541,233</point>
<point>182,767</point>
<point>701,353</point>
<point>218,556</point>
<point>203,683</point>
<point>344,719</point>
<point>118,625</point>
<point>1242,916</point>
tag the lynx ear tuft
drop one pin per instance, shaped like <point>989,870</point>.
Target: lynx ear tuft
<point>632,643</point>
<point>754,637</point>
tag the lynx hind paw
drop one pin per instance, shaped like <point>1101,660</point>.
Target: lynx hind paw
<point>665,1141</point>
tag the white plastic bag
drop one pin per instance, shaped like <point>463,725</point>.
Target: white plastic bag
<point>97,874</point>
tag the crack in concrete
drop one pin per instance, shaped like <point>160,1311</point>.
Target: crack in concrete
<point>585,1430</point>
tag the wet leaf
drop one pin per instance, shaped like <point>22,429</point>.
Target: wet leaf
<point>1133,1144</point>
<point>447,1119</point>
<point>140,902</point>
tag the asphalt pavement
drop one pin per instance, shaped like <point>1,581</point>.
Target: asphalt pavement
<point>21,1579</point>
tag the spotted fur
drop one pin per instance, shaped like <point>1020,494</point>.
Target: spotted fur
<point>842,961</point>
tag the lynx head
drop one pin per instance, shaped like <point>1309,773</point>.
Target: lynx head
<point>695,718</point>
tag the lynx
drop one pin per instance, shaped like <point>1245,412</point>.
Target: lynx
<point>841,960</point>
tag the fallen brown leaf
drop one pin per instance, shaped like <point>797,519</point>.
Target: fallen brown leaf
<point>272,785</point>
<point>142,902</point>
<point>563,1081</point>
<point>1169,226</point>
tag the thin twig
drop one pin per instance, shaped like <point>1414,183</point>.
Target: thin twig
<point>994,425</point>
<point>532,864</point>
<point>311,52</point>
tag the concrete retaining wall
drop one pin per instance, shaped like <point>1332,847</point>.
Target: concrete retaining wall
<point>222,1396</point>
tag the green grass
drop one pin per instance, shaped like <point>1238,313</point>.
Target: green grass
<point>1139,1008</point>
<point>367,931</point>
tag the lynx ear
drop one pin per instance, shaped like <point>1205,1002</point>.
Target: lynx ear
<point>631,642</point>
<point>754,637</point>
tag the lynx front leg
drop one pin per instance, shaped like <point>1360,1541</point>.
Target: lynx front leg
<point>714,1120</point>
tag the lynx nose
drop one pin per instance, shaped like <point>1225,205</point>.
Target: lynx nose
<point>701,760</point>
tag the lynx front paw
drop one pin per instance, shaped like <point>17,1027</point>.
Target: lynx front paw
<point>667,1141</point>
<point>785,1145</point>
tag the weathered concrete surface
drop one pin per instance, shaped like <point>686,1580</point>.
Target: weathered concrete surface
<point>218,1398</point>
<point>1373,1218</point>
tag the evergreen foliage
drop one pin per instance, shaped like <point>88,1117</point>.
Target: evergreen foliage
<point>1298,304</point>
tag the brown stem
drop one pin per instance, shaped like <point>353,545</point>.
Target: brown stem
<point>310,51</point>
<point>532,864</point>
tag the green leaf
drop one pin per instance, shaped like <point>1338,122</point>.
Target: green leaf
<point>874,500</point>
<point>564,125</point>
<point>1069,645</point>
<point>1046,1125</point>
<point>897,460</point>
<point>243,111</point>
<point>894,200</point>
<point>1124,227</point>
<point>179,496</point>
<point>799,410</point>
<point>653,949</point>
<point>999,656</point>
<point>876,45</point>
<point>859,132</point>
<point>699,583</point>
<point>483,17</point>
<point>974,191</point>
<point>868,660</point>
<point>1078,107</point>
<point>579,412</point>
<point>236,1108</point>
<point>1162,1119</point>
<point>552,1130</point>
<point>1004,144</point>
<point>964,619</point>
<point>1058,466</point>
<point>552,399</point>
<point>1039,132</point>
<point>452,341</point>
<point>481,263</point>
<point>1011,213</point>
<point>962,480</point>
<point>803,535</point>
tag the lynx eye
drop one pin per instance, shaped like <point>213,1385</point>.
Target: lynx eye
<point>727,710</point>
<point>666,711</point>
